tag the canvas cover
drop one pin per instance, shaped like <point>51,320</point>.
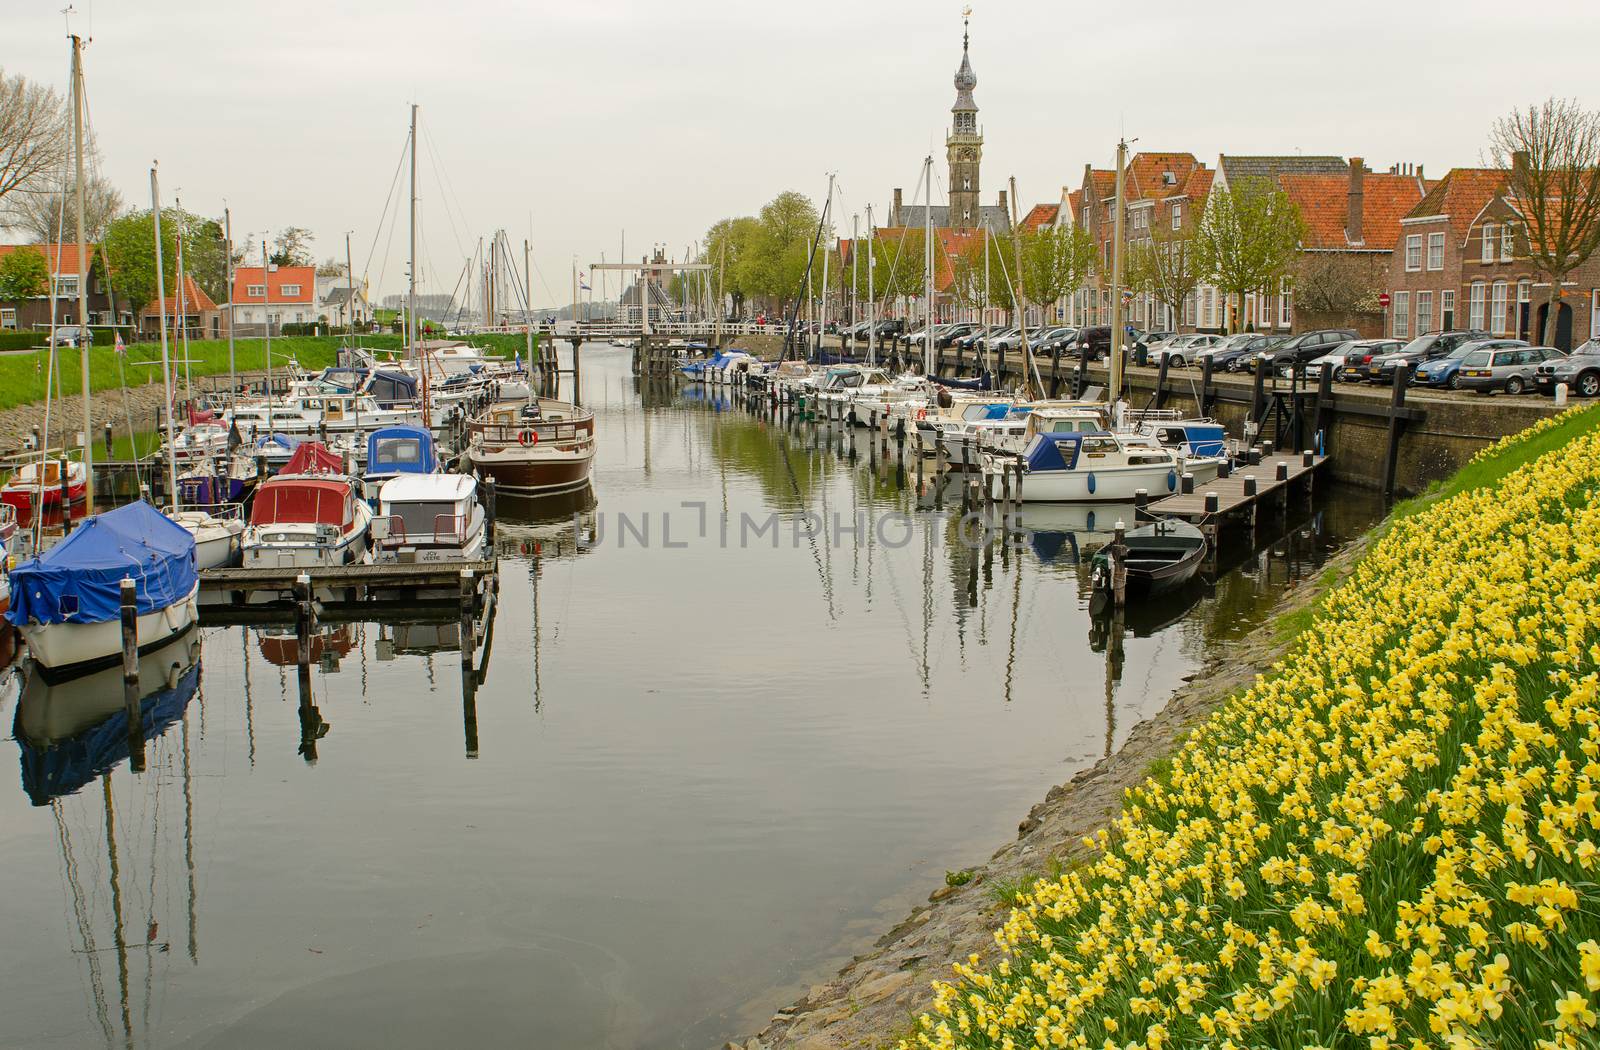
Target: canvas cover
<point>313,457</point>
<point>1053,452</point>
<point>400,450</point>
<point>79,579</point>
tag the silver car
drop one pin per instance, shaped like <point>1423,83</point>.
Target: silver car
<point>1510,369</point>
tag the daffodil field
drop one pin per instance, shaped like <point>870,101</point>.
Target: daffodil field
<point>1390,841</point>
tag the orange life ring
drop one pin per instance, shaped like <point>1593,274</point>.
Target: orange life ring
<point>922,413</point>
<point>528,437</point>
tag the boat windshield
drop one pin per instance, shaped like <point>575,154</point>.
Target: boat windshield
<point>397,451</point>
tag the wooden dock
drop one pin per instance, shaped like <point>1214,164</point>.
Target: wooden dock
<point>386,575</point>
<point>1241,492</point>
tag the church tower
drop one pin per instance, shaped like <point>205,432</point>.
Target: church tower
<point>964,144</point>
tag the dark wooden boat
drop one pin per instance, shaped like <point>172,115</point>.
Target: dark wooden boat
<point>1160,557</point>
<point>533,447</point>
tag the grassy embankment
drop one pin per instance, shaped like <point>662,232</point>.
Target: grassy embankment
<point>22,377</point>
<point>1389,840</point>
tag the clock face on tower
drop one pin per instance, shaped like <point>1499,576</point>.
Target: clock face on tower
<point>967,154</point>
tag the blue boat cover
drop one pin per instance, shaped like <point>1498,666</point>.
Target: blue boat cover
<point>284,441</point>
<point>400,450</point>
<point>78,580</point>
<point>1053,452</point>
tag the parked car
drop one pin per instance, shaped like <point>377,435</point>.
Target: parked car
<point>70,335</point>
<point>1152,338</point>
<point>1307,346</point>
<point>1230,347</point>
<point>1007,341</point>
<point>1446,371</point>
<point>1420,350</point>
<point>1350,351</point>
<point>953,332</point>
<point>1580,371</point>
<point>1094,341</point>
<point>1181,350</point>
<point>1511,369</point>
<point>1051,338</point>
<point>1246,362</point>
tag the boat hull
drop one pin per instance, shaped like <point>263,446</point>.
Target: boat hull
<point>1111,485</point>
<point>64,650</point>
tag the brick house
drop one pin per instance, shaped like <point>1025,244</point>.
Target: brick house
<point>62,262</point>
<point>287,295</point>
<point>202,318</point>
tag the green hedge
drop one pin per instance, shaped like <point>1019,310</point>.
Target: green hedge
<point>27,340</point>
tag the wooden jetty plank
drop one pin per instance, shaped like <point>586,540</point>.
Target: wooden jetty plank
<point>1230,492</point>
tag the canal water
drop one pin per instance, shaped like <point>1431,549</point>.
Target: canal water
<point>692,771</point>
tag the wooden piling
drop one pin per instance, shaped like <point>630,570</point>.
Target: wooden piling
<point>130,673</point>
<point>1207,391</point>
<point>66,501</point>
<point>1397,402</point>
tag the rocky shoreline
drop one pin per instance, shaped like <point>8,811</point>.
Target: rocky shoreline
<point>873,1002</point>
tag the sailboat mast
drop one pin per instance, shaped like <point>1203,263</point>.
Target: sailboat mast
<point>227,235</point>
<point>927,265</point>
<point>183,303</point>
<point>166,364</point>
<point>411,288</point>
<point>822,321</point>
<point>1116,281</point>
<point>872,302</point>
<point>84,338</point>
<point>266,325</point>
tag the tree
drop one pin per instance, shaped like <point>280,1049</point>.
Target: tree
<point>1336,283</point>
<point>1056,261</point>
<point>1165,267</point>
<point>292,247</point>
<point>33,141</point>
<point>1247,237</point>
<point>51,216</point>
<point>774,266</point>
<point>330,267</point>
<point>130,246</point>
<point>1553,151</point>
<point>23,274</point>
<point>728,242</point>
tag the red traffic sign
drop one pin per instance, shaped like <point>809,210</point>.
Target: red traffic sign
<point>1383,299</point>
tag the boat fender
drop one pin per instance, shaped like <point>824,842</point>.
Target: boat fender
<point>922,413</point>
<point>528,437</point>
<point>1172,480</point>
<point>1091,482</point>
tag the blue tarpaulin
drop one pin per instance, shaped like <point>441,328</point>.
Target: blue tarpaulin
<point>1053,452</point>
<point>400,450</point>
<point>79,579</point>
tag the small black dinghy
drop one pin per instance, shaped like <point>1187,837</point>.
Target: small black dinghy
<point>1159,557</point>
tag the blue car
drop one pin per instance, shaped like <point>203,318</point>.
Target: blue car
<point>1445,371</point>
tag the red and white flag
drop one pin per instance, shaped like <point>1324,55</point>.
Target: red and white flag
<point>121,349</point>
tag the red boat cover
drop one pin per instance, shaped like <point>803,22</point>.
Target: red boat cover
<point>301,500</point>
<point>313,457</point>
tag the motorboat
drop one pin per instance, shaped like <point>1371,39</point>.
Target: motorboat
<point>67,603</point>
<point>318,411</point>
<point>1158,557</point>
<point>537,446</point>
<point>200,442</point>
<point>717,367</point>
<point>217,533</point>
<point>1070,458</point>
<point>428,518</point>
<point>40,483</point>
<point>308,514</point>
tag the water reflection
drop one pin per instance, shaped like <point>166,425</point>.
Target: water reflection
<point>666,758</point>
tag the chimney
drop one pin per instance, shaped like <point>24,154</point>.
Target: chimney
<point>894,214</point>
<point>1353,231</point>
<point>1419,174</point>
<point>1519,166</point>
<point>1003,202</point>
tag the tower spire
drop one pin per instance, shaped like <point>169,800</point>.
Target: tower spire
<point>964,143</point>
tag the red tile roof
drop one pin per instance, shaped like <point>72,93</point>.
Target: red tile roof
<point>195,300</point>
<point>1040,215</point>
<point>1105,183</point>
<point>1075,198</point>
<point>1461,195</point>
<point>304,276</point>
<point>62,258</point>
<point>1197,187</point>
<point>1147,175</point>
<point>1324,204</point>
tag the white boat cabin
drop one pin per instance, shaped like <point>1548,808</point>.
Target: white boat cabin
<point>429,517</point>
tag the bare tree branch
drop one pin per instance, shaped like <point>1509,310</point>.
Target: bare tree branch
<point>33,140</point>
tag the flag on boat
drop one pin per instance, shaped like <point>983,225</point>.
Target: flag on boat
<point>516,359</point>
<point>583,286</point>
<point>120,347</point>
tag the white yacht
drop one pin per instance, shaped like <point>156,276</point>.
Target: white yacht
<point>428,517</point>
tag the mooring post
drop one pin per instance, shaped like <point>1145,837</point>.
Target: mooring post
<point>304,613</point>
<point>1055,368</point>
<point>467,596</point>
<point>1397,402</point>
<point>66,500</point>
<point>1206,365</point>
<point>1161,380</point>
<point>130,673</point>
<point>1213,503</point>
<point>1258,396</point>
<point>1081,382</point>
<point>1119,568</point>
<point>1186,484</point>
<point>1141,500</point>
<point>488,509</point>
<point>1016,491</point>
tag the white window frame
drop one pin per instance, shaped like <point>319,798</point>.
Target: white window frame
<point>1402,315</point>
<point>8,317</point>
<point>1497,308</point>
<point>1424,312</point>
<point>1486,250</point>
<point>1436,251</point>
<point>1447,305</point>
<point>1508,243</point>
<point>289,291</point>
<point>66,286</point>
<point>1413,252</point>
<point>255,291</point>
<point>1177,215</point>
<point>1477,295</point>
<point>1594,314</point>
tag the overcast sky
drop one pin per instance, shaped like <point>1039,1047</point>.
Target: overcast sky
<point>571,123</point>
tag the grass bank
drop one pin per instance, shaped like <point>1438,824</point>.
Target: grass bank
<point>1389,840</point>
<point>22,375</point>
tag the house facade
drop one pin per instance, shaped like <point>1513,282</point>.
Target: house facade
<point>34,313</point>
<point>1461,260</point>
<point>270,299</point>
<point>192,311</point>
